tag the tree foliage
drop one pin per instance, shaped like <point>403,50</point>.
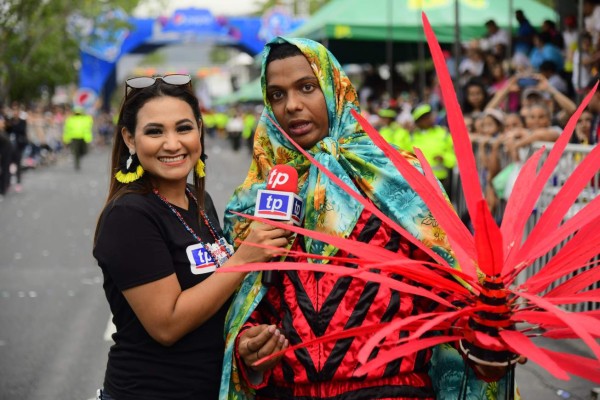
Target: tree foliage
<point>36,50</point>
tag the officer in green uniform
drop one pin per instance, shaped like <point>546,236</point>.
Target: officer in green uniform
<point>391,131</point>
<point>250,122</point>
<point>77,133</point>
<point>435,142</point>
<point>210,123</point>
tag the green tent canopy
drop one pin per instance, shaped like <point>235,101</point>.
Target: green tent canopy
<point>358,31</point>
<point>371,19</point>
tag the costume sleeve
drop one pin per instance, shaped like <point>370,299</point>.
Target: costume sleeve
<point>131,248</point>
<point>253,379</point>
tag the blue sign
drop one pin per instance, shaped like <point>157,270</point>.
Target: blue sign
<point>191,20</point>
<point>201,261</point>
<point>274,205</point>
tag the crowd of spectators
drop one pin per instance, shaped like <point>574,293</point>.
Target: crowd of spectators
<point>32,137</point>
<point>513,92</point>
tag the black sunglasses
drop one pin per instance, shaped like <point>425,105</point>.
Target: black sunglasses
<point>141,82</point>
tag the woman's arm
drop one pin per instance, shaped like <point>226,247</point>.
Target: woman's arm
<point>566,104</point>
<point>168,313</point>
<point>501,94</point>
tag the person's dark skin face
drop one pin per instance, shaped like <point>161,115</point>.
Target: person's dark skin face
<point>297,100</point>
<point>425,122</point>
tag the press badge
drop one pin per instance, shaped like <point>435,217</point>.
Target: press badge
<point>201,261</point>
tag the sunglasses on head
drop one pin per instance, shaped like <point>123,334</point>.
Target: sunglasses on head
<point>141,82</point>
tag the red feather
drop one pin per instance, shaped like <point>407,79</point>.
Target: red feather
<point>569,320</point>
<point>500,253</point>
<point>579,179</point>
<point>488,240</point>
<point>521,344</point>
<point>576,283</point>
<point>572,256</point>
<point>460,137</point>
<point>358,197</point>
<point>515,215</point>
<point>545,171</point>
<point>459,236</point>
<point>584,367</point>
<point>385,357</point>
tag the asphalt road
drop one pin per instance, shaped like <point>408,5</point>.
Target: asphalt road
<point>54,320</point>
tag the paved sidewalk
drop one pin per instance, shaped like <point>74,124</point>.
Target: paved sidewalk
<point>537,384</point>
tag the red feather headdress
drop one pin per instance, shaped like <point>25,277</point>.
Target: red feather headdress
<point>495,319</point>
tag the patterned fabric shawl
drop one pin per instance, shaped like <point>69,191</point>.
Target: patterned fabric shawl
<point>347,152</point>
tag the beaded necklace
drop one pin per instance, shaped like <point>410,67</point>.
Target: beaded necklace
<point>220,250</point>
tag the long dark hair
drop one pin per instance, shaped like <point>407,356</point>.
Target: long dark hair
<point>132,103</point>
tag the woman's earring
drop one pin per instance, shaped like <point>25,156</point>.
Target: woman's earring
<point>131,170</point>
<point>200,168</point>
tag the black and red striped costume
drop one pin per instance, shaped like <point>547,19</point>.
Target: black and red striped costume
<point>307,304</point>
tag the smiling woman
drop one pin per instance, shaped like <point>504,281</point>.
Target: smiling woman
<point>158,243</point>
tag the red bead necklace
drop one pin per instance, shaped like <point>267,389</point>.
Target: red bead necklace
<point>220,250</point>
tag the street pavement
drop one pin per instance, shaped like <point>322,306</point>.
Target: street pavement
<point>54,321</point>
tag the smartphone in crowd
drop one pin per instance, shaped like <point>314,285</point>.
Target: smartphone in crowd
<point>527,82</point>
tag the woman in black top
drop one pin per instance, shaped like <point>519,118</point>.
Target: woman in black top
<point>158,243</point>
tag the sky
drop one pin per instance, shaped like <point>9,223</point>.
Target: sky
<point>217,7</point>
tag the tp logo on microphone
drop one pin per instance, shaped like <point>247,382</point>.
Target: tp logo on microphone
<point>297,210</point>
<point>201,262</point>
<point>282,206</point>
<point>274,204</point>
<point>283,178</point>
<point>277,178</point>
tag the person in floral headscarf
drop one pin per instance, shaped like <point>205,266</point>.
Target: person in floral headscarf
<point>309,96</point>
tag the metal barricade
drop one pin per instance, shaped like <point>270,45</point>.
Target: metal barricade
<point>569,161</point>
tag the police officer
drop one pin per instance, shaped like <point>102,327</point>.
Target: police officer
<point>77,133</point>
<point>391,131</point>
<point>435,142</point>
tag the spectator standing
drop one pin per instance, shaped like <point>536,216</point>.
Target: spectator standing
<point>6,150</point>
<point>525,32</point>
<point>435,142</point>
<point>594,107</point>
<point>583,60</point>
<point>78,133</point>
<point>545,50</point>
<point>391,131</point>
<point>570,39</point>
<point>591,18</point>
<point>17,131</point>
<point>495,38</point>
<point>250,121</point>
<point>234,128</point>
<point>472,65</point>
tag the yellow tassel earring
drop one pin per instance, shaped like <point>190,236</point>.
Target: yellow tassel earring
<point>131,171</point>
<point>200,168</point>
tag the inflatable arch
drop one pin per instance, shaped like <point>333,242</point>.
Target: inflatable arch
<point>101,49</point>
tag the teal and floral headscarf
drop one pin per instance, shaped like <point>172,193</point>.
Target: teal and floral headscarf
<point>347,152</point>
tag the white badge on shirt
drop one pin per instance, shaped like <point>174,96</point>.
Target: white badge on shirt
<point>201,262</point>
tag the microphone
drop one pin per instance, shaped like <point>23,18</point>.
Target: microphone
<point>279,201</point>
